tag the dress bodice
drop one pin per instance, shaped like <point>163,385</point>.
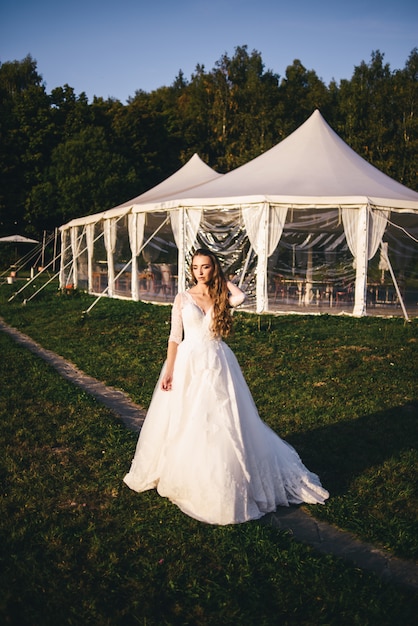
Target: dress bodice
<point>189,321</point>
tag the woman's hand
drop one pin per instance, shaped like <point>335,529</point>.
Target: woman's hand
<point>166,382</point>
<point>167,379</point>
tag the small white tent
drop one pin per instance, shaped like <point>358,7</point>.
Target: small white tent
<point>310,189</point>
<point>193,174</point>
<point>88,234</point>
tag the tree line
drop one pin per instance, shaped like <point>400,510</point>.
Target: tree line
<point>62,157</point>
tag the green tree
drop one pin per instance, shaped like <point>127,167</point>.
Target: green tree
<point>61,157</point>
<point>195,104</point>
<point>406,122</point>
<point>141,130</point>
<point>24,130</point>
<point>247,98</point>
<point>367,104</point>
<point>70,113</point>
<point>85,175</point>
<point>301,92</point>
<point>228,114</point>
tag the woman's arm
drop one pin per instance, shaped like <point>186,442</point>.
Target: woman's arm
<point>236,296</point>
<point>176,335</point>
<point>167,380</point>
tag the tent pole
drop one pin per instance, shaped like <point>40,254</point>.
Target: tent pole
<point>308,283</point>
<point>55,275</point>
<point>181,253</point>
<point>261,278</point>
<point>30,281</point>
<point>395,282</point>
<point>244,269</point>
<point>43,249</point>
<point>64,249</point>
<point>55,248</point>
<point>100,296</point>
<point>60,272</point>
<point>360,291</point>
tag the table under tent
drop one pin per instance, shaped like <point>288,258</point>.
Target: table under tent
<point>308,226</point>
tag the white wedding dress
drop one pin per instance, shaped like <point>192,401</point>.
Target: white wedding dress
<point>203,444</point>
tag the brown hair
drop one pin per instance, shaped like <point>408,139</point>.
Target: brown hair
<point>218,291</point>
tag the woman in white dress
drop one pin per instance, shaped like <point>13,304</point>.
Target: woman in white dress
<point>203,444</point>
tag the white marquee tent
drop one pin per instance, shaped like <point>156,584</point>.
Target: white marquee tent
<point>298,226</point>
<point>87,234</point>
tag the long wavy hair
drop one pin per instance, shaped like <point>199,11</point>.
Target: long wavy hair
<point>218,291</point>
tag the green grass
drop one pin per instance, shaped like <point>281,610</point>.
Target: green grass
<point>78,547</point>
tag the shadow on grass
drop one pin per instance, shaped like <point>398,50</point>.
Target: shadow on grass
<point>341,452</point>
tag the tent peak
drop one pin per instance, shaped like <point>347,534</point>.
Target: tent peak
<point>313,163</point>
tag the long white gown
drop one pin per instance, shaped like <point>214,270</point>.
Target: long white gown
<point>203,444</point>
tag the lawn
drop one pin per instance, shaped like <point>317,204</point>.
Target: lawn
<point>78,547</point>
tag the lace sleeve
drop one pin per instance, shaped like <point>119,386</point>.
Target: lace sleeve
<point>176,333</point>
<point>236,300</point>
<point>236,296</point>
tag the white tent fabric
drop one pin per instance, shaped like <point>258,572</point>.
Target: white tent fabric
<point>17,239</point>
<point>377,225</point>
<point>110,245</point>
<point>90,245</point>
<point>136,237</point>
<point>264,225</point>
<point>194,173</point>
<point>185,225</point>
<point>312,169</point>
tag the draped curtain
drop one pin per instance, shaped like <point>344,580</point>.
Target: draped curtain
<point>136,225</point>
<point>90,247</point>
<point>64,238</point>
<point>110,232</point>
<point>376,228</point>
<point>185,224</point>
<point>74,251</point>
<point>378,221</point>
<point>264,225</point>
<point>364,229</point>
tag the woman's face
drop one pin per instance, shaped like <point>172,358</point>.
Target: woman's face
<point>202,269</point>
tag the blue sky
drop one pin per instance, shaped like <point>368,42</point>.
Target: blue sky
<point>112,48</point>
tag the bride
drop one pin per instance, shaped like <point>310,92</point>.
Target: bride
<point>203,444</point>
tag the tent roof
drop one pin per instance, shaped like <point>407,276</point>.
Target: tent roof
<point>194,173</point>
<point>312,167</point>
<point>17,239</point>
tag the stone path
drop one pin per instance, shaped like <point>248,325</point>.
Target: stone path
<point>117,401</point>
<point>322,536</point>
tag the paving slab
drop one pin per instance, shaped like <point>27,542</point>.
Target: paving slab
<point>321,536</point>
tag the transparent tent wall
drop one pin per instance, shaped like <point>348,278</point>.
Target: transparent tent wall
<point>157,262</point>
<point>311,269</point>
<point>122,259</point>
<point>223,232</point>
<point>66,269</point>
<point>401,242</point>
<point>99,262</point>
<point>82,261</point>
